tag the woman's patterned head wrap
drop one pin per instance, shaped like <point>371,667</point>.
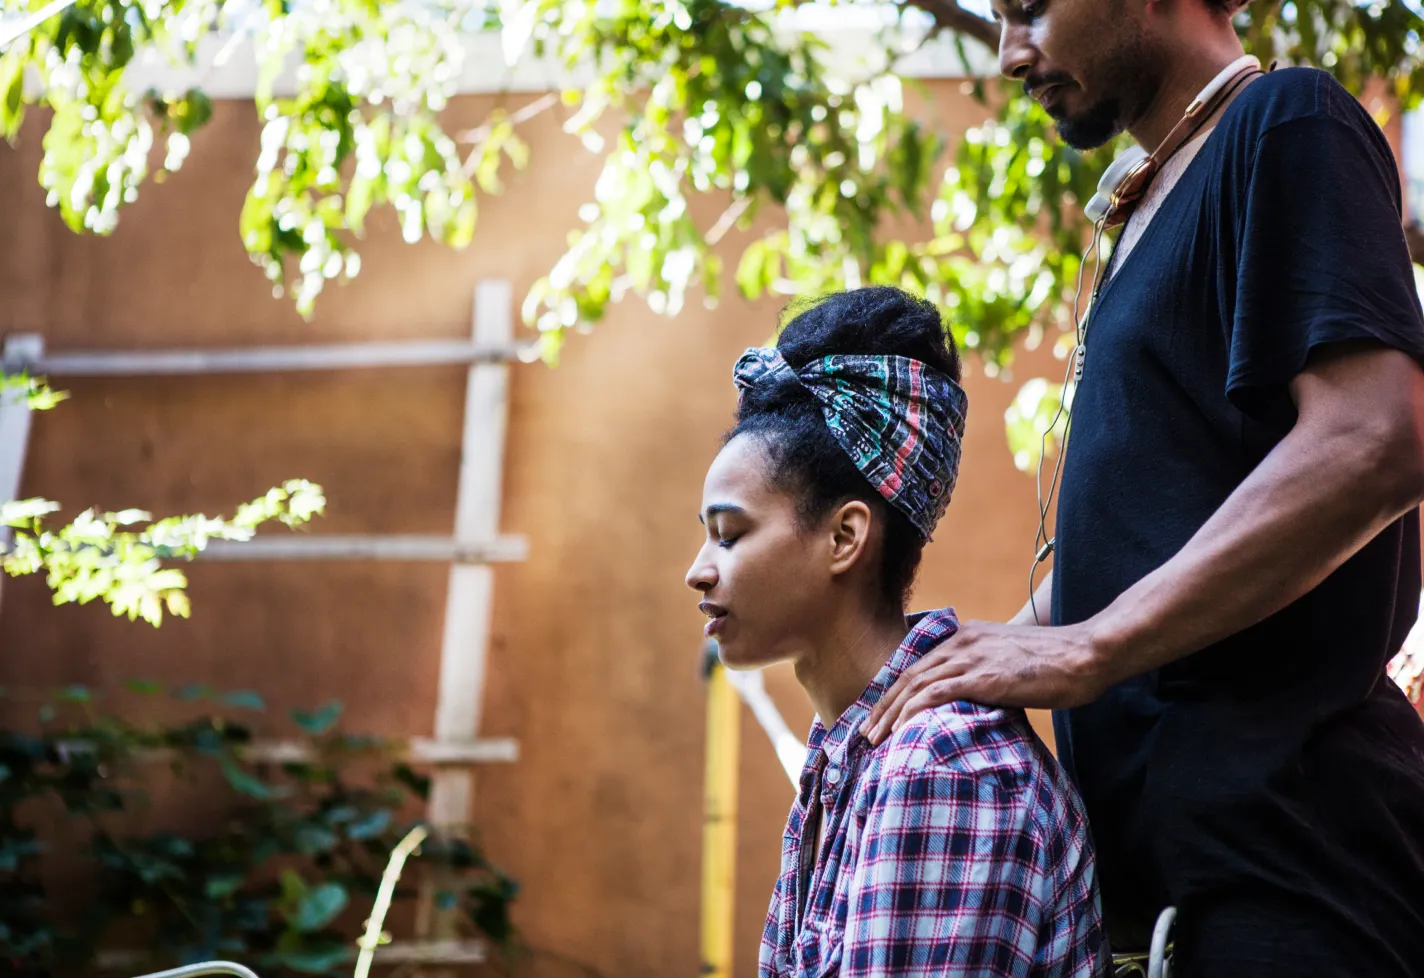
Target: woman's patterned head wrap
<point>900,421</point>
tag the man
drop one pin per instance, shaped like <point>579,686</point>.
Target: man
<point>1237,540</point>
<point>957,847</point>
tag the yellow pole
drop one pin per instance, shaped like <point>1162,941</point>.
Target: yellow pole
<point>719,818</point>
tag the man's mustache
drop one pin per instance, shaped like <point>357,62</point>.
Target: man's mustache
<point>1034,83</point>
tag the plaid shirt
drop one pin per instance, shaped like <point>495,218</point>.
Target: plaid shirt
<point>956,847</point>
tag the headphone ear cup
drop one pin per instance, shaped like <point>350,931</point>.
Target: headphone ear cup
<point>1101,204</point>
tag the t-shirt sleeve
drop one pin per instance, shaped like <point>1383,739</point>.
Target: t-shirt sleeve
<point>1320,255</point>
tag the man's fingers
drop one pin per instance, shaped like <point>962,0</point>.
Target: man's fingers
<point>878,723</point>
<point>898,703</point>
<point>912,701</point>
<point>902,686</point>
<point>932,695</point>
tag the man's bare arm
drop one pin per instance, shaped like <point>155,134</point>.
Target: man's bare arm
<point>1352,464</point>
<point>1042,599</point>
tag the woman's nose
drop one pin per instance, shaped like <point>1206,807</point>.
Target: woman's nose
<point>702,574</point>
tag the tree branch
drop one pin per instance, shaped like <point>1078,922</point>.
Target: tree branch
<point>949,15</point>
<point>542,104</point>
<point>728,218</point>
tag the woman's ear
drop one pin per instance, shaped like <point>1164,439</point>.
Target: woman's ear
<point>850,535</point>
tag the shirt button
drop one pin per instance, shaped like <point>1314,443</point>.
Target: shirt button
<point>833,775</point>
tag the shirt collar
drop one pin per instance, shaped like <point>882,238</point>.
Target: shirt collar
<point>832,746</point>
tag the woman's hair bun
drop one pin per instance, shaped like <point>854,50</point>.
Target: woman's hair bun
<point>877,321</point>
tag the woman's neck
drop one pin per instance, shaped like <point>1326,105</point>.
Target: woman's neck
<point>838,667</point>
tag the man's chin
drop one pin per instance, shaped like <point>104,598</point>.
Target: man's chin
<point>1091,129</point>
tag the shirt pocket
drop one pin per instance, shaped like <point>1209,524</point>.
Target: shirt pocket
<point>819,954</point>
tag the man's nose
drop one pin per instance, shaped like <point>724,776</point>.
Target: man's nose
<point>702,574</point>
<point>1016,54</point>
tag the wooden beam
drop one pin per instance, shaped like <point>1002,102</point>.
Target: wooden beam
<point>264,359</point>
<point>503,750</point>
<point>15,420</point>
<point>469,600</point>
<point>397,952</point>
<point>330,546</point>
<point>495,750</point>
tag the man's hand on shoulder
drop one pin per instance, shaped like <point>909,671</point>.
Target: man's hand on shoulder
<point>1001,665</point>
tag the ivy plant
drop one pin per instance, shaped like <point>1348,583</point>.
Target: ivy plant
<point>281,882</point>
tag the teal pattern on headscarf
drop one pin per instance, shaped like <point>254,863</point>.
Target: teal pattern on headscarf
<point>901,421</point>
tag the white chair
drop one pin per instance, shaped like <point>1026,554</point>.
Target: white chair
<point>1157,962</point>
<point>205,968</point>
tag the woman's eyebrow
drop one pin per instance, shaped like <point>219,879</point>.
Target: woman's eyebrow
<point>716,509</point>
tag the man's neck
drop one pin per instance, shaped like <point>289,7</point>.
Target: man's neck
<point>846,659</point>
<point>1194,71</point>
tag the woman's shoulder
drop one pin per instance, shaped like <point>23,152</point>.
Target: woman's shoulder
<point>964,739</point>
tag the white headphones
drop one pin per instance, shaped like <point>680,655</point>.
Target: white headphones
<point>1102,203</point>
<point>1126,180</point>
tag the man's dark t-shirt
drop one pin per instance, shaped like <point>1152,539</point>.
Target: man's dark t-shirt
<point>1280,768</point>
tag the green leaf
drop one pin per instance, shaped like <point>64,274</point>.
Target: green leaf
<point>75,694</point>
<point>196,109</point>
<point>342,813</point>
<point>245,699</point>
<point>244,782</point>
<point>192,692</point>
<point>371,826</point>
<point>463,228</point>
<point>311,840</point>
<point>144,687</point>
<point>488,904</point>
<point>12,90</point>
<point>321,721</point>
<point>313,956</point>
<point>751,270</point>
<point>222,885</point>
<point>359,199</point>
<point>319,906</point>
<point>293,889</point>
<point>418,784</point>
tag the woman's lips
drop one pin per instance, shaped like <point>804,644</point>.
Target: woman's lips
<point>716,613</point>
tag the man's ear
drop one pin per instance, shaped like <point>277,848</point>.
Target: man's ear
<point>850,535</point>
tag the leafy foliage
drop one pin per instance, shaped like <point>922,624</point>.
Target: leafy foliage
<point>688,100</point>
<point>299,851</point>
<point>95,557</point>
<point>717,102</point>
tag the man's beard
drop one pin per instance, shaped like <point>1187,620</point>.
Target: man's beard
<point>1093,128</point>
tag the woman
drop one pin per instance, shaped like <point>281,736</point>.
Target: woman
<point>957,847</point>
